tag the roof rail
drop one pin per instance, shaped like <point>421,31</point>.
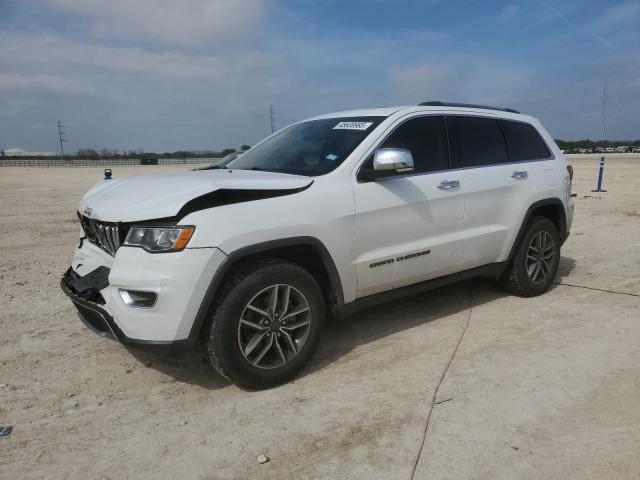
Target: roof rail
<point>467,105</point>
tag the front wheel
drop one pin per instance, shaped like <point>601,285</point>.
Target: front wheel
<point>535,263</point>
<point>266,325</point>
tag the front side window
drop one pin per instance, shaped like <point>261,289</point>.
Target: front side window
<point>309,148</point>
<point>425,138</point>
<point>524,142</point>
<point>478,141</point>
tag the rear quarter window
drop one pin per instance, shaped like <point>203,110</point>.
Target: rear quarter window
<point>524,142</point>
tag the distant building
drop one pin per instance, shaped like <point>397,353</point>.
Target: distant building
<point>19,152</point>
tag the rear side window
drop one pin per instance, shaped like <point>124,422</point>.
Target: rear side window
<point>426,139</point>
<point>477,141</point>
<point>524,141</point>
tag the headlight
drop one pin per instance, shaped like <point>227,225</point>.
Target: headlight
<point>159,239</point>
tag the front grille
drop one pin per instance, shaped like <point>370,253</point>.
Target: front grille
<point>106,235</point>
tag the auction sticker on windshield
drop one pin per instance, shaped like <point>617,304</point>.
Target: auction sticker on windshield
<point>353,125</point>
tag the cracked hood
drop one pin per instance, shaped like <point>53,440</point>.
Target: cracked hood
<point>138,198</point>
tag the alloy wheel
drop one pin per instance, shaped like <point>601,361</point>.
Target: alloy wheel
<point>274,326</point>
<point>540,256</point>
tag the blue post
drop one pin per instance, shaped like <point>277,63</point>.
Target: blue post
<point>107,174</point>
<point>600,174</point>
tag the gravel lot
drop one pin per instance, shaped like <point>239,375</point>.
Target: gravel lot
<point>547,387</point>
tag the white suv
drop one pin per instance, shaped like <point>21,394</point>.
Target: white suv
<point>326,216</point>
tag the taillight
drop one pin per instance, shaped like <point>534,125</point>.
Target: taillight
<point>570,170</point>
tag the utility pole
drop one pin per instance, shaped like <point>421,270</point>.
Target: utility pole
<point>604,112</point>
<point>272,114</point>
<point>61,134</point>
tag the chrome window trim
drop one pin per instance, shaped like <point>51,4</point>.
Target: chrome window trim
<point>411,116</point>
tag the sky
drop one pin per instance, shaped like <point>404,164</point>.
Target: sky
<point>165,75</point>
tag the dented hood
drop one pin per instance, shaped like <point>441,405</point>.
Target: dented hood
<point>147,197</point>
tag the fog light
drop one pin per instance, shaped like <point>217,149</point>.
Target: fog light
<point>138,298</point>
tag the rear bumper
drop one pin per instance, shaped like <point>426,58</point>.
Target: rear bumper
<point>98,320</point>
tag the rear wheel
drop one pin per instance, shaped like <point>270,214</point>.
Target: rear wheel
<point>266,325</point>
<point>535,263</point>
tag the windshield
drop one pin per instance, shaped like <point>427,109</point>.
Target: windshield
<point>310,148</point>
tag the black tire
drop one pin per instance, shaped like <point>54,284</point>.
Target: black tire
<point>222,337</point>
<point>516,278</point>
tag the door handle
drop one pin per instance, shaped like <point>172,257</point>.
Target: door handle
<point>448,184</point>
<point>519,174</point>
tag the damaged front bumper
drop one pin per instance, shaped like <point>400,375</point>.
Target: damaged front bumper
<point>85,294</point>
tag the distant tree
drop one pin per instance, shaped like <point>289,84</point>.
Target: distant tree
<point>574,146</point>
<point>108,153</point>
<point>227,151</point>
<point>87,153</point>
<point>182,154</point>
<point>245,147</point>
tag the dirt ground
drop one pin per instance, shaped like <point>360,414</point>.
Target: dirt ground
<point>547,387</point>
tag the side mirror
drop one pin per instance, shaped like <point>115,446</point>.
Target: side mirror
<point>393,159</point>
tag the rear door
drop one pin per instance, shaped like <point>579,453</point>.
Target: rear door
<point>498,186</point>
<point>409,226</point>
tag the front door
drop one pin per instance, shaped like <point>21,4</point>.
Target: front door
<point>409,226</point>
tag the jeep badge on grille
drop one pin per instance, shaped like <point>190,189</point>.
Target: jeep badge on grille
<point>88,211</point>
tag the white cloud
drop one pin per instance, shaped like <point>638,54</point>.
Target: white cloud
<point>508,12</point>
<point>620,13</point>
<point>10,81</point>
<point>17,81</point>
<point>181,100</point>
<point>183,22</point>
<point>35,63</point>
<point>45,51</point>
<point>423,82</point>
<point>217,94</point>
<point>579,28</point>
<point>463,78</point>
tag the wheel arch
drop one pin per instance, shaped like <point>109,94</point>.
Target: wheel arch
<point>551,208</point>
<point>308,252</point>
